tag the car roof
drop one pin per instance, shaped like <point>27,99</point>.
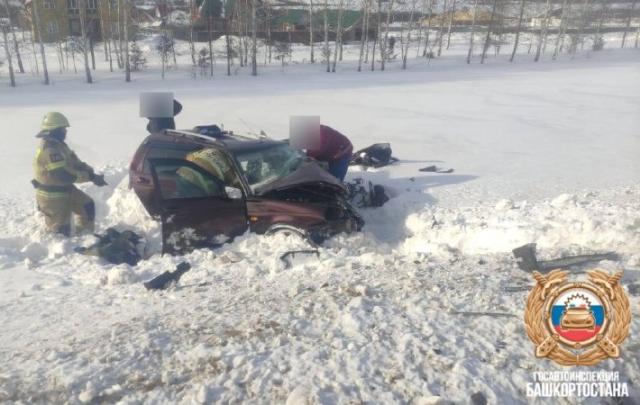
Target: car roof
<point>234,143</point>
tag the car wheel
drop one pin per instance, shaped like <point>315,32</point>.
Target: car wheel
<point>291,231</point>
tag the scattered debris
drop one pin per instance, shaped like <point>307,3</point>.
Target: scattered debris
<point>376,155</point>
<point>478,398</point>
<point>115,247</point>
<point>516,288</point>
<point>528,261</point>
<point>492,314</point>
<point>363,195</point>
<point>165,279</point>
<point>435,169</point>
<point>288,257</point>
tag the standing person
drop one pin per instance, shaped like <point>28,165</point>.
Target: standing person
<point>159,124</point>
<point>335,149</point>
<point>56,169</point>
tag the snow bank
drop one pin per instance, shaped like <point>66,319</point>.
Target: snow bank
<point>576,222</point>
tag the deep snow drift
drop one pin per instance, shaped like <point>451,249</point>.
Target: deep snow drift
<point>543,153</point>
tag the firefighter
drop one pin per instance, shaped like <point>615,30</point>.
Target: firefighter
<point>335,149</point>
<point>56,169</point>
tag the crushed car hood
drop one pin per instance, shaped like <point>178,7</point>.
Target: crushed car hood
<point>309,173</point>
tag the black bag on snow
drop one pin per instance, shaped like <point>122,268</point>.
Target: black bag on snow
<point>115,247</point>
<point>376,155</point>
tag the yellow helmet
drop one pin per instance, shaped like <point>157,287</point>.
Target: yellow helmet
<point>53,120</point>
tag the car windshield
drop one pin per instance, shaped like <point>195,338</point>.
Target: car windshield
<point>268,165</point>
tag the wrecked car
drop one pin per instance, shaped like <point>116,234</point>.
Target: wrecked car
<point>268,187</point>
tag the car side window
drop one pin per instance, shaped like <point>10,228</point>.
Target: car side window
<point>165,151</point>
<point>186,180</point>
<point>218,164</point>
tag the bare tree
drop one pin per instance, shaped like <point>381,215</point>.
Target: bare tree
<point>563,23</point>
<point>598,41</point>
<point>7,51</point>
<point>36,22</point>
<point>31,38</point>
<point>366,35</point>
<point>254,40</point>
<point>426,51</point>
<point>237,26</point>
<point>453,12</point>
<point>542,32</point>
<point>327,52</point>
<point>441,30</point>
<point>118,42</point>
<point>547,24</point>
<point>563,30</point>
<point>60,54</point>
<point>628,25</point>
<point>363,31</point>
<point>245,34</point>
<point>406,42</point>
<point>111,41</point>
<point>577,37</point>
<point>338,36</point>
<point>74,46</point>
<point>85,42</point>
<point>210,40</point>
<point>103,30</point>
<point>375,39</point>
<point>487,40</point>
<point>384,41</point>
<point>311,31</point>
<point>125,28</point>
<point>420,28</point>
<point>341,31</point>
<point>268,27</point>
<point>517,39</point>
<point>227,39</point>
<point>16,47</point>
<point>473,31</point>
<point>192,48</point>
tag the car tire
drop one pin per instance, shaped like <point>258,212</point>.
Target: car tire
<point>287,230</point>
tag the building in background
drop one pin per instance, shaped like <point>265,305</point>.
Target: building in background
<point>60,19</point>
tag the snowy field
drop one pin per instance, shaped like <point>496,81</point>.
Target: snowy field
<point>423,306</point>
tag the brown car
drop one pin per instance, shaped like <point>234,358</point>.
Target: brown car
<point>270,187</point>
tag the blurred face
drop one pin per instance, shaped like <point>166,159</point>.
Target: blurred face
<point>60,133</point>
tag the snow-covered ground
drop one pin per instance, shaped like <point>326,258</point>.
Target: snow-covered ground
<point>544,153</point>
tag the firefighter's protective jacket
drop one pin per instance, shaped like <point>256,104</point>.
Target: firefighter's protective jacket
<point>57,167</point>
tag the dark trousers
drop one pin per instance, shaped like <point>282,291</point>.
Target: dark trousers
<point>339,167</point>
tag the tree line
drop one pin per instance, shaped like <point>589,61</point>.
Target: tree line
<point>422,28</point>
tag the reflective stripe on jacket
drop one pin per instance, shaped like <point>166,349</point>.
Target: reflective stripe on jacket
<point>56,165</point>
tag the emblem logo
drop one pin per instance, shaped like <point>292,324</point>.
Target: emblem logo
<point>577,323</point>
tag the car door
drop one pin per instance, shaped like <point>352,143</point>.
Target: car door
<point>197,208</point>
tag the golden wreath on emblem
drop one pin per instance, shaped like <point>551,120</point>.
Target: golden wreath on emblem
<point>577,323</point>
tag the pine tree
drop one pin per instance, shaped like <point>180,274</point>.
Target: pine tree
<point>136,58</point>
<point>164,47</point>
<point>204,60</point>
<point>8,53</point>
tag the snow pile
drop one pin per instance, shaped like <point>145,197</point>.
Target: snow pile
<point>580,222</point>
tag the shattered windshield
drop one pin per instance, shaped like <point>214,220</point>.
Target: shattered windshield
<point>265,166</point>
